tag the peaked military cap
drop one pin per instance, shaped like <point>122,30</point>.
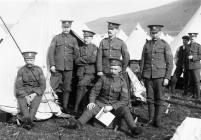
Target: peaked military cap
<point>29,55</point>
<point>193,34</point>
<point>155,28</point>
<point>115,62</point>
<point>186,37</point>
<point>66,23</point>
<point>88,33</point>
<point>112,25</point>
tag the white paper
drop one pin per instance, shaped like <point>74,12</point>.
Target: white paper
<point>105,118</point>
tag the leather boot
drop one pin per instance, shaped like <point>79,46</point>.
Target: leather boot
<point>157,116</point>
<point>65,102</point>
<point>173,84</point>
<point>151,112</point>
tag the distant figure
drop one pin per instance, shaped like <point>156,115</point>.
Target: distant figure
<point>180,66</point>
<point>110,93</point>
<point>111,47</point>
<point>192,63</point>
<point>30,85</point>
<point>86,63</point>
<point>1,40</point>
<point>62,53</point>
<point>156,69</point>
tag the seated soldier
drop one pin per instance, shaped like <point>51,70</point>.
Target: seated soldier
<point>110,92</point>
<point>30,85</point>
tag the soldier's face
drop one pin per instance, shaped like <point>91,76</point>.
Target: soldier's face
<point>115,70</point>
<point>88,39</point>
<point>112,32</point>
<point>154,35</point>
<point>193,38</point>
<point>30,61</point>
<point>66,29</point>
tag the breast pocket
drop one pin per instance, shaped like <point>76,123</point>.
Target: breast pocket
<point>116,51</point>
<point>159,50</point>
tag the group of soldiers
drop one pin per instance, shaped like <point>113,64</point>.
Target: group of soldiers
<point>101,71</point>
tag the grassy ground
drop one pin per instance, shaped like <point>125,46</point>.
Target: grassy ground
<point>47,130</point>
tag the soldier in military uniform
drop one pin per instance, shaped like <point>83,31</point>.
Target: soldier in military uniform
<point>86,67</point>
<point>111,47</point>
<point>62,53</point>
<point>110,93</point>
<point>180,66</point>
<point>192,63</point>
<point>156,69</point>
<point>30,85</point>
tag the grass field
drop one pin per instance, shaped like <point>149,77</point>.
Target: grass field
<point>48,130</point>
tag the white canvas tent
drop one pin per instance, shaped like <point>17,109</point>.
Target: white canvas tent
<point>136,41</point>
<point>166,37</point>
<point>33,32</point>
<point>122,35</point>
<point>190,129</point>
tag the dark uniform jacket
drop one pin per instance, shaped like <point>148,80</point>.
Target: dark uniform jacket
<point>181,54</point>
<point>193,49</point>
<point>62,52</point>
<point>110,91</point>
<point>86,60</point>
<point>27,82</point>
<point>157,60</point>
<point>111,48</point>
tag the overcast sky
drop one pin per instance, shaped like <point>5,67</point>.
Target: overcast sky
<point>85,10</point>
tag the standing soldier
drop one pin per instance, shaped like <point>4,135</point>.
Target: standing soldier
<point>86,67</point>
<point>193,65</point>
<point>111,47</point>
<point>62,52</point>
<point>156,69</point>
<point>180,67</point>
<point>30,85</point>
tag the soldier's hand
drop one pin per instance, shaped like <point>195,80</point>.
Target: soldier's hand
<point>32,96</point>
<point>190,57</point>
<point>91,106</point>
<point>28,99</point>
<point>107,108</point>
<point>100,74</point>
<point>53,68</point>
<point>165,82</point>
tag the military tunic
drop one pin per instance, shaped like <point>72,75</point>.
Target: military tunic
<point>157,60</point>
<point>156,64</point>
<point>29,80</point>
<point>193,66</point>
<point>114,92</point>
<point>111,48</point>
<point>62,52</point>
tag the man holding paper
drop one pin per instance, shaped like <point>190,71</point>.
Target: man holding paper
<point>111,94</point>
